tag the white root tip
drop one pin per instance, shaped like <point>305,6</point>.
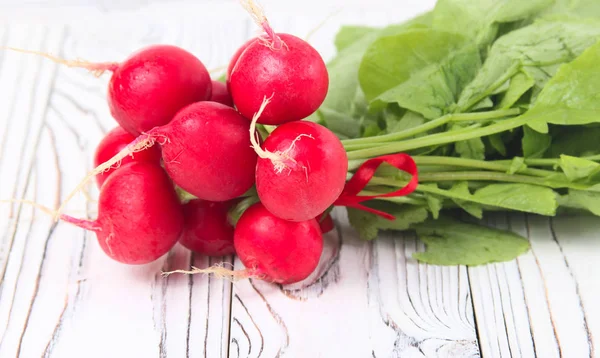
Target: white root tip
<point>97,69</point>
<point>142,142</point>
<point>255,11</point>
<point>321,24</point>
<point>43,208</point>
<point>281,160</point>
<point>265,154</point>
<point>217,270</point>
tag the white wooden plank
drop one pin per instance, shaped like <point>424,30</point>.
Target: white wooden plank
<point>535,306</point>
<point>25,88</point>
<point>577,238</point>
<point>561,291</point>
<point>500,307</point>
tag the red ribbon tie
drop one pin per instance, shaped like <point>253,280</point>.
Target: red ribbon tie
<point>366,171</point>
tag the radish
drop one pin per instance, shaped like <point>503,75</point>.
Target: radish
<point>283,67</point>
<point>206,150</point>
<point>220,94</point>
<point>326,223</point>
<point>149,87</point>
<point>139,214</point>
<point>275,249</point>
<point>271,248</point>
<point>112,143</point>
<point>235,57</point>
<point>207,230</point>
<point>301,169</point>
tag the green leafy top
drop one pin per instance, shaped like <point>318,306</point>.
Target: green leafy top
<point>497,101</point>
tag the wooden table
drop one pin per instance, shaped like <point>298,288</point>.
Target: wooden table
<point>61,297</point>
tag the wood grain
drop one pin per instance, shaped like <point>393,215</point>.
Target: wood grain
<point>534,306</point>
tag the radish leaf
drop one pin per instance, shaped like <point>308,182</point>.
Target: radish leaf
<point>451,242</point>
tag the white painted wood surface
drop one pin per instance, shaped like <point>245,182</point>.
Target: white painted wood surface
<point>61,297</point>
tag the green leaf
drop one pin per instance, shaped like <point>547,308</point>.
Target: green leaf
<point>518,197</point>
<point>587,200</point>
<point>348,35</point>
<point>534,143</point>
<point>371,130</point>
<point>433,90</point>
<point>516,165</point>
<point>396,123</point>
<point>542,44</point>
<point>571,96</point>
<point>435,204</point>
<point>368,225</point>
<point>345,102</point>
<point>575,141</point>
<point>519,84</point>
<point>391,60</point>
<point>462,188</point>
<point>479,20</point>
<point>578,168</point>
<point>364,223</point>
<point>540,75</point>
<point>574,9</point>
<point>470,149</point>
<point>343,75</point>
<point>345,126</point>
<point>485,103</point>
<point>503,88</point>
<point>451,242</point>
<point>497,143</point>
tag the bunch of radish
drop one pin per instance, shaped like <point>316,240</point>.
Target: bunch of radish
<point>181,132</point>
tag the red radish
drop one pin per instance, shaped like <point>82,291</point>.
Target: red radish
<point>271,248</point>
<point>277,250</point>
<point>301,170</point>
<point>113,142</point>
<point>153,84</point>
<point>205,149</point>
<point>139,214</point>
<point>282,67</point>
<point>326,224</point>
<point>220,94</point>
<point>235,57</point>
<point>207,230</point>
<point>149,87</point>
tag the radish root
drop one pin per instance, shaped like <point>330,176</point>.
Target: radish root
<point>97,69</point>
<point>217,69</point>
<point>218,270</point>
<point>280,159</point>
<point>41,207</point>
<point>321,24</point>
<point>142,142</point>
<point>258,15</point>
<point>82,223</point>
